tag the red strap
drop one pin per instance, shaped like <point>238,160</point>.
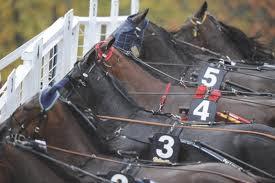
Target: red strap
<point>164,96</point>
<point>215,95</point>
<point>100,53</point>
<point>200,92</point>
<point>239,118</point>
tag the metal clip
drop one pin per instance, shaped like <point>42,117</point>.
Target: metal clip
<point>118,131</point>
<point>136,34</point>
<point>85,75</point>
<point>36,129</point>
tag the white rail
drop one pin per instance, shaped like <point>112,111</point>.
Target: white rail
<point>51,54</point>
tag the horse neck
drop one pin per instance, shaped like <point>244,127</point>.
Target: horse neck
<point>135,78</point>
<point>105,95</point>
<point>63,130</point>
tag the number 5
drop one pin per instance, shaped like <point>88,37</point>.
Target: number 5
<point>210,74</point>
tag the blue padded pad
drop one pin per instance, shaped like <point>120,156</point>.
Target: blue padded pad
<point>127,35</point>
<point>49,96</point>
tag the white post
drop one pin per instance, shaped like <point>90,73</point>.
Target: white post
<point>10,95</point>
<point>134,6</point>
<point>67,62</point>
<point>114,16</point>
<point>33,58</point>
<point>90,32</point>
<point>75,33</point>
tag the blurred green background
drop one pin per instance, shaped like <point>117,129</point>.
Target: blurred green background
<point>20,20</point>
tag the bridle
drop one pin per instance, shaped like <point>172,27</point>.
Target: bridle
<point>22,126</point>
<point>196,21</point>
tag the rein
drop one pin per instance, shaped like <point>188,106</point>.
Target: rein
<point>180,81</point>
<point>224,92</point>
<point>27,146</point>
<point>195,127</point>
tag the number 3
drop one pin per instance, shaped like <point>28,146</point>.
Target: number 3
<point>119,178</point>
<point>202,110</point>
<point>210,74</point>
<point>168,146</point>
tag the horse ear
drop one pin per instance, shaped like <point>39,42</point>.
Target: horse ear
<point>200,13</point>
<point>140,16</point>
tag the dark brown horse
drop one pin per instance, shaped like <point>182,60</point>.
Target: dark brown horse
<point>204,30</point>
<point>61,128</point>
<point>137,80</point>
<point>167,52</point>
<point>229,41</point>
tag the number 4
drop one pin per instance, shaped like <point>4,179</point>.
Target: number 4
<point>202,110</point>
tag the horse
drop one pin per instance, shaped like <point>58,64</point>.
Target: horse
<point>229,41</point>
<point>70,141</point>
<point>107,97</point>
<point>204,30</point>
<point>168,53</point>
<point>138,81</point>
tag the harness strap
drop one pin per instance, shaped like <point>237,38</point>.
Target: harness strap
<point>100,53</point>
<point>194,127</point>
<point>58,162</point>
<point>164,97</point>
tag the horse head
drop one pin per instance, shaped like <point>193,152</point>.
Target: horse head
<point>29,124</point>
<point>60,126</point>
<point>129,35</point>
<point>204,30</point>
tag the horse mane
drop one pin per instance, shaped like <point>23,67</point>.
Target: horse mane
<point>250,47</point>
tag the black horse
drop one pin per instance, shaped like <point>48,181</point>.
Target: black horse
<point>74,153</point>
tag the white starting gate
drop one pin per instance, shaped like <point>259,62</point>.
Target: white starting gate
<point>51,54</point>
